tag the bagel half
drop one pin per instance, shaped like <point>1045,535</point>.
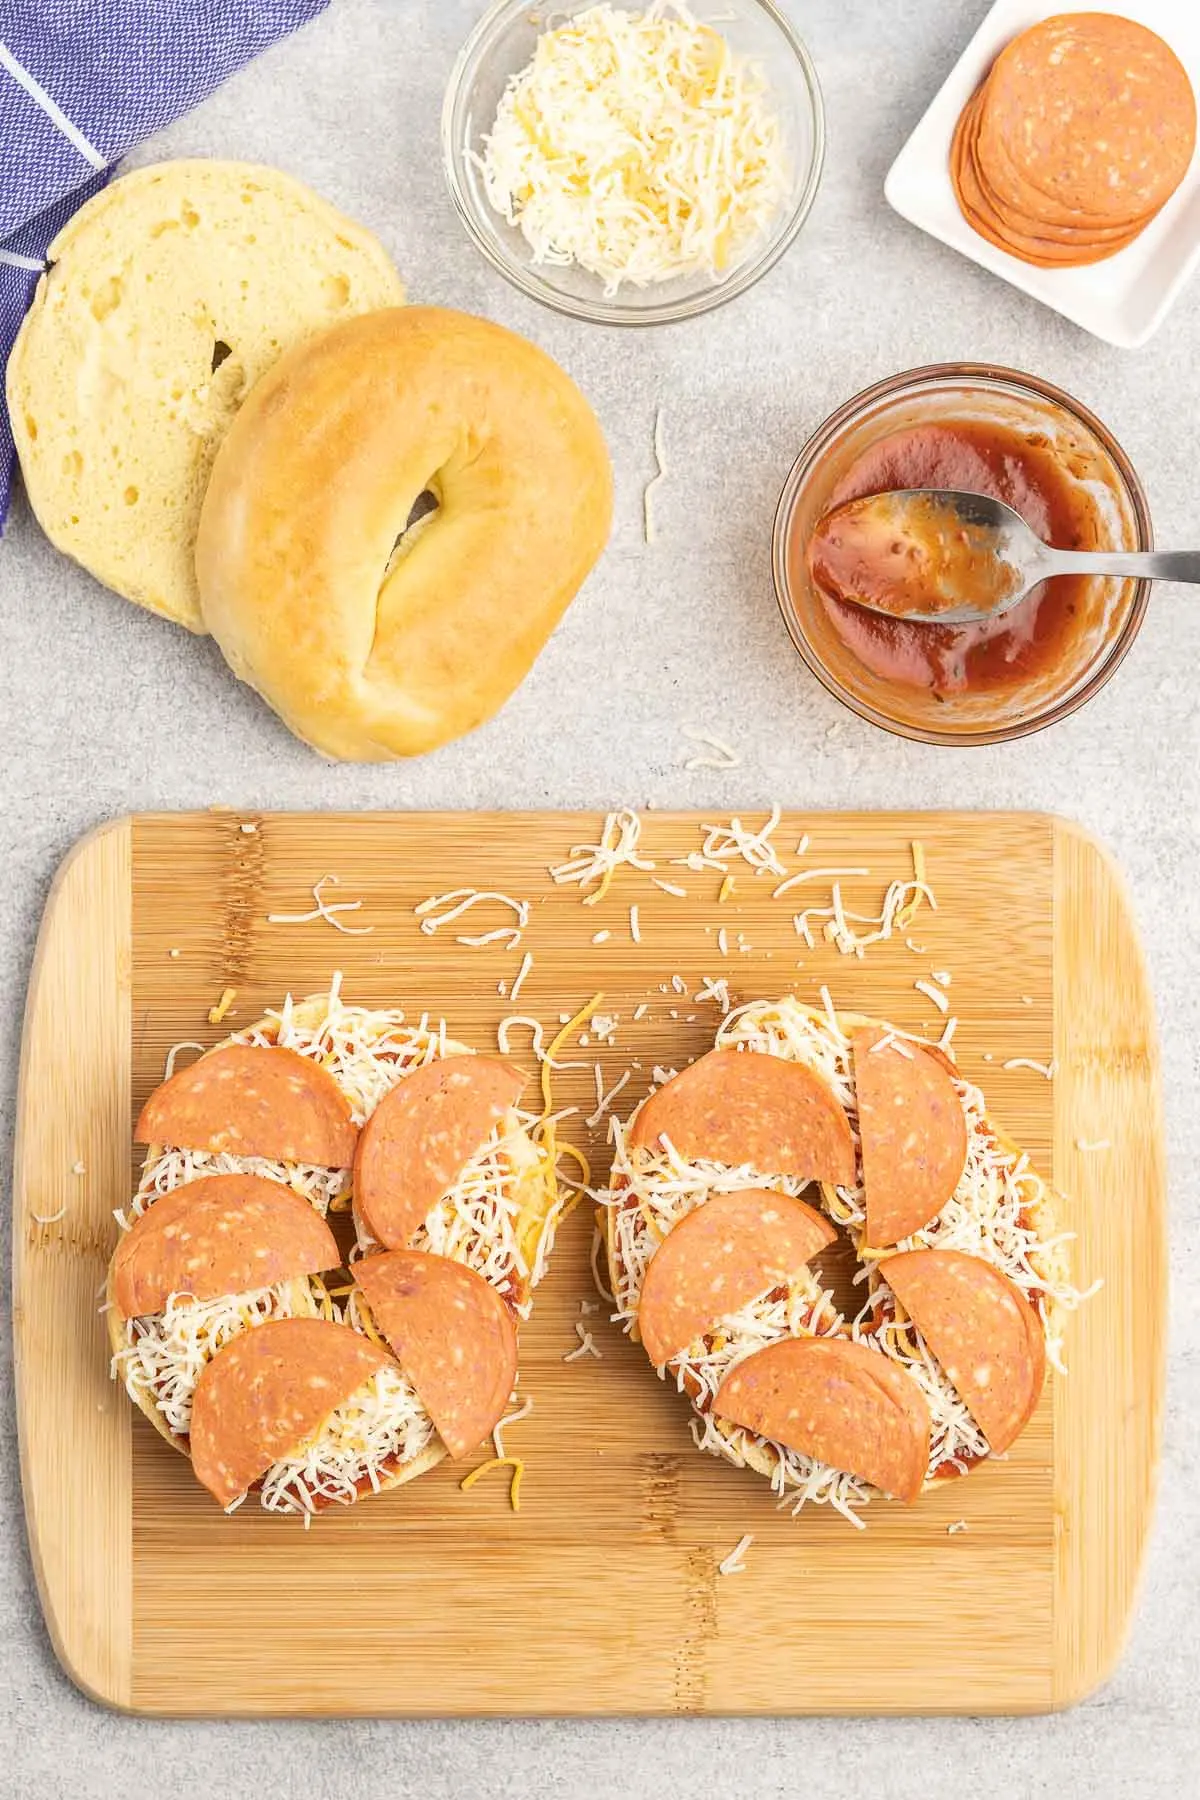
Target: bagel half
<point>371,640</point>
<point>659,1186</point>
<point>168,295</point>
<point>317,1025</point>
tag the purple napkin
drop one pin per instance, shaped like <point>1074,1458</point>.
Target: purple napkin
<point>81,82</point>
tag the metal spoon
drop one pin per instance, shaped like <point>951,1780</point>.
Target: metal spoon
<point>946,557</point>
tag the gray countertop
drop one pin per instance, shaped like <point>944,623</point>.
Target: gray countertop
<point>104,709</point>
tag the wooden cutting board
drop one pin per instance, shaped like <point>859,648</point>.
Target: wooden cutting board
<point>603,1594</point>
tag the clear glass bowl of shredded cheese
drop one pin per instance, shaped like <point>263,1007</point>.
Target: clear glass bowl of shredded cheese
<point>633,164</point>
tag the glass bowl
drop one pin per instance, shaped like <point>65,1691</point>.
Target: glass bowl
<point>502,44</point>
<point>1107,624</point>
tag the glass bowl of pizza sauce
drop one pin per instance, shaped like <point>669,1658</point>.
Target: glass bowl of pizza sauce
<point>993,431</point>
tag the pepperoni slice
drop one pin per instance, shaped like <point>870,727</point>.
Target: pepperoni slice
<point>720,1256</point>
<point>838,1402</point>
<point>739,1106</point>
<point>913,1131</point>
<point>222,1234</point>
<point>253,1101</point>
<point>453,1336</point>
<point>269,1391</point>
<point>983,1331</point>
<point>422,1134</point>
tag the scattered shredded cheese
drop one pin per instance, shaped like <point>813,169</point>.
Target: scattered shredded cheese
<point>49,1218</point>
<point>173,1052</point>
<point>637,146</point>
<point>813,875</point>
<point>604,1100</point>
<point>1089,1144</point>
<point>499,1462</point>
<point>635,929</point>
<point>515,1418</point>
<point>660,474</point>
<point>589,863</point>
<point>956,1526</point>
<point>671,887</point>
<point>445,909</point>
<point>717,991</point>
<point>722,843</point>
<point>217,1013</point>
<point>522,972</point>
<point>720,755</point>
<point>1049,1070</point>
<point>322,909</point>
<point>734,1563</point>
<point>587,1345</point>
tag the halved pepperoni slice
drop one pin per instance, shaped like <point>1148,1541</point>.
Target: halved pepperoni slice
<point>222,1234</point>
<point>270,1391</point>
<point>983,1331</point>
<point>719,1257</point>
<point>253,1101</point>
<point>453,1336</point>
<point>739,1106</point>
<point>913,1131</point>
<point>422,1134</point>
<point>838,1402</point>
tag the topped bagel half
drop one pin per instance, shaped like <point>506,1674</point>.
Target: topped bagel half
<point>226,1198</point>
<point>730,1180</point>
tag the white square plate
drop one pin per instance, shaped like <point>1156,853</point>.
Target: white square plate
<point>1124,299</point>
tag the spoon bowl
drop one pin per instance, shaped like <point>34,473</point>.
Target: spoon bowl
<point>945,556</point>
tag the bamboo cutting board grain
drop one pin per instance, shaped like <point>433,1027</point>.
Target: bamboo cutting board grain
<point>603,1594</point>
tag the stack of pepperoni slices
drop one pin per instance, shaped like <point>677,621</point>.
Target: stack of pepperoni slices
<point>1082,131</point>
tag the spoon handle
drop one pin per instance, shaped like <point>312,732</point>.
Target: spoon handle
<point>1149,565</point>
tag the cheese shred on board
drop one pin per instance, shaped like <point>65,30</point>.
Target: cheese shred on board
<point>637,146</point>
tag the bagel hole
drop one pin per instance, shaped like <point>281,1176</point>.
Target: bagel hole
<point>835,1269</point>
<point>425,503</point>
<point>220,352</point>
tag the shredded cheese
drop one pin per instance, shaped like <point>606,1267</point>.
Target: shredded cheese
<point>813,875</point>
<point>323,909</point>
<point>660,474</point>
<point>445,909</point>
<point>522,972</point>
<point>173,1052</point>
<point>1048,1070</point>
<point>587,1345</point>
<point>370,1436</point>
<point>638,147</point>
<point>515,1418</point>
<point>165,1353</point>
<point>604,1100</point>
<point>723,843</point>
<point>217,1013</point>
<point>598,863</point>
<point>734,1563</point>
<point>720,755</point>
<point>499,1462</point>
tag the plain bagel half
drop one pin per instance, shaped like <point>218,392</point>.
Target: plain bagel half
<point>371,640</point>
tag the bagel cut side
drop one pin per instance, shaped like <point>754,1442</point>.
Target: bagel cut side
<point>369,639</point>
<point>169,294</point>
